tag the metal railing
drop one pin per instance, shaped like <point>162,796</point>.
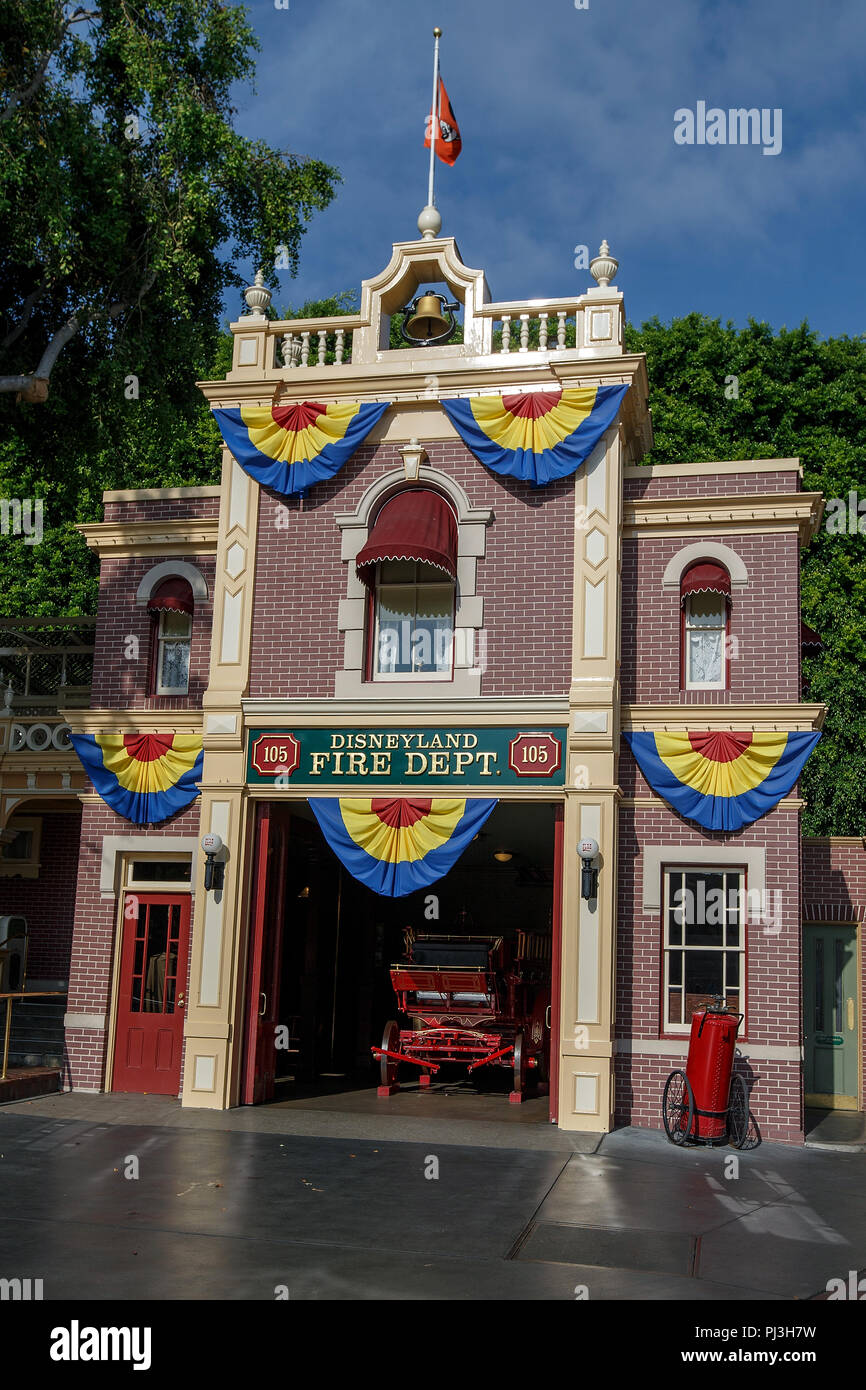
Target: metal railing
<point>20,994</point>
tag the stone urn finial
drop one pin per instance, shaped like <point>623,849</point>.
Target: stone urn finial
<point>429,222</point>
<point>258,296</point>
<point>604,266</point>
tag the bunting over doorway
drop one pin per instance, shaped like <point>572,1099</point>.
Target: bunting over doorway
<point>397,845</point>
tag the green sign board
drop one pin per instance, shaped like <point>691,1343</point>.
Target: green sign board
<point>476,757</point>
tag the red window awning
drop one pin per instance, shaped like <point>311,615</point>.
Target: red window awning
<point>171,596</point>
<point>415,525</point>
<point>706,577</point>
<point>809,639</point>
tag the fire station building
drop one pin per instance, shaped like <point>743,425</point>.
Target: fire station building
<point>437,594</point>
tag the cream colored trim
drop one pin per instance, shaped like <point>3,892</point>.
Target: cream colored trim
<point>683,718</point>
<point>710,855</point>
<point>700,550</point>
<point>96,1022</point>
<point>492,710</point>
<point>138,721</point>
<point>454,377</point>
<point>125,539</point>
<point>170,569</point>
<point>685,516</point>
<point>157,494</point>
<point>702,470</point>
<point>835,840</point>
<point>115,847</point>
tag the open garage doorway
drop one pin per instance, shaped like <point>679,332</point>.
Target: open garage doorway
<point>320,993</point>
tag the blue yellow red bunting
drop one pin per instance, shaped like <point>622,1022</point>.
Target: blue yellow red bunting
<point>400,844</point>
<point>539,436</point>
<point>146,778</point>
<point>722,780</point>
<point>286,448</point>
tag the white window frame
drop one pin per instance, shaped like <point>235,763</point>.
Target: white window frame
<point>729,872</point>
<point>446,583</point>
<point>130,883</point>
<point>689,683</point>
<point>162,640</point>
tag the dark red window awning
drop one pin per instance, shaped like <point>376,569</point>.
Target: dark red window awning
<point>415,525</point>
<point>706,577</point>
<point>171,596</point>
<point>809,639</point>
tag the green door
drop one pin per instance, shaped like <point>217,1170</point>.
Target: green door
<point>830,1002</point>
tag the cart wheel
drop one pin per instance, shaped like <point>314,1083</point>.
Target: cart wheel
<point>387,1065</point>
<point>678,1107</point>
<point>738,1112</point>
<point>519,1080</point>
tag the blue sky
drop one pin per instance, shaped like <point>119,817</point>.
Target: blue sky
<point>567,118</point>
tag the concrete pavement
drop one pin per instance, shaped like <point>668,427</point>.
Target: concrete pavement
<point>408,1202</point>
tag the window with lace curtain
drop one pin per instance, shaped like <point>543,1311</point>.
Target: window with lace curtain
<point>705,600</point>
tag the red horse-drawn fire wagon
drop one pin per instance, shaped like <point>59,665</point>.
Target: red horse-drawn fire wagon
<point>473,1001</point>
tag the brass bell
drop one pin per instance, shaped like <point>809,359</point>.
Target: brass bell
<point>427,320</point>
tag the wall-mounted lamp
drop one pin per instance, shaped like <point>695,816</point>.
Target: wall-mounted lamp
<point>214,869</point>
<point>413,455</point>
<point>503,855</point>
<point>588,851</point>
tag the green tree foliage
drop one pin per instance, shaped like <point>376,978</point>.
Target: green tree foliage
<point>127,200</point>
<point>719,393</point>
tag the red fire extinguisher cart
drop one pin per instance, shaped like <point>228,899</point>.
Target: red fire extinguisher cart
<point>708,1103</point>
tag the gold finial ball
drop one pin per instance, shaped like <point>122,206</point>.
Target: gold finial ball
<point>437,33</point>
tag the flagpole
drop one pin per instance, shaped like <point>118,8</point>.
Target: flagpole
<point>434,113</point>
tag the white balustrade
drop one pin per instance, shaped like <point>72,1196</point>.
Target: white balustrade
<point>296,348</point>
<point>543,316</point>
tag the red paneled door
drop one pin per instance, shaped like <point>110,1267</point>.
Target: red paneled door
<point>150,1010</point>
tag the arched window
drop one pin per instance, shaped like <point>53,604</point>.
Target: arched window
<point>171,609</point>
<point>409,565</point>
<point>705,594</point>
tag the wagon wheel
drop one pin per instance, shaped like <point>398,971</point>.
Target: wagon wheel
<point>519,1064</point>
<point>678,1107</point>
<point>390,1042</point>
<point>738,1112</point>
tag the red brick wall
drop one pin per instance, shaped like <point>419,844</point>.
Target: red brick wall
<point>773,993</point>
<point>120,682</point>
<point>765,621</point>
<point>48,901</point>
<point>162,509</point>
<point>525,579</point>
<point>834,890</point>
<point>93,942</point>
<point>710,484</point>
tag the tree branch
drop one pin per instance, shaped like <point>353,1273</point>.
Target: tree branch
<point>33,387</point>
<point>27,309</point>
<point>25,95</point>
